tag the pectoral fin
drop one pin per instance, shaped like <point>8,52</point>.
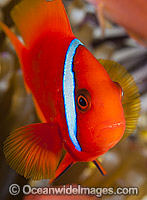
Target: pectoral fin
<point>34,151</point>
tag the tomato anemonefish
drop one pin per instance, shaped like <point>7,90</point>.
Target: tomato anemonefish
<point>81,108</point>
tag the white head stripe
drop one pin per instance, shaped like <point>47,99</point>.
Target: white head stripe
<point>69,93</point>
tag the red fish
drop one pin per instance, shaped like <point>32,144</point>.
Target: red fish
<point>119,12</point>
<point>79,105</point>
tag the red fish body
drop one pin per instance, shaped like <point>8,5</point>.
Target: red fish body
<point>48,90</point>
<point>48,52</point>
<point>78,103</point>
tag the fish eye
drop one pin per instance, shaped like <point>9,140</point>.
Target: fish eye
<point>83,100</point>
<point>122,93</point>
<point>120,89</point>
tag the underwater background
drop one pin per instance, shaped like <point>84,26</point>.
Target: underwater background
<point>126,163</point>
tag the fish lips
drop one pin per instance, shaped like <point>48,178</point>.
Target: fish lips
<point>107,137</point>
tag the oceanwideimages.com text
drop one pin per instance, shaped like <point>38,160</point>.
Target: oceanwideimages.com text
<point>15,189</point>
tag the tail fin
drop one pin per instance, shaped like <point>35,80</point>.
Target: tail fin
<point>34,17</point>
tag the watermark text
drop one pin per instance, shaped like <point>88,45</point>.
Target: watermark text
<point>15,189</point>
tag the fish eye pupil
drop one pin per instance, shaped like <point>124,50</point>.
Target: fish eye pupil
<point>82,102</point>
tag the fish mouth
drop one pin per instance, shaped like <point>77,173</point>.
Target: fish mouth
<point>107,136</point>
<point>110,134</point>
<point>114,128</point>
<point>114,125</point>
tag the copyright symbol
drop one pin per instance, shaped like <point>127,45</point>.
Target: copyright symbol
<point>14,189</point>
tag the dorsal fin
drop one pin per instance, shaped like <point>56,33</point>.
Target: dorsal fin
<point>35,17</point>
<point>16,43</point>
